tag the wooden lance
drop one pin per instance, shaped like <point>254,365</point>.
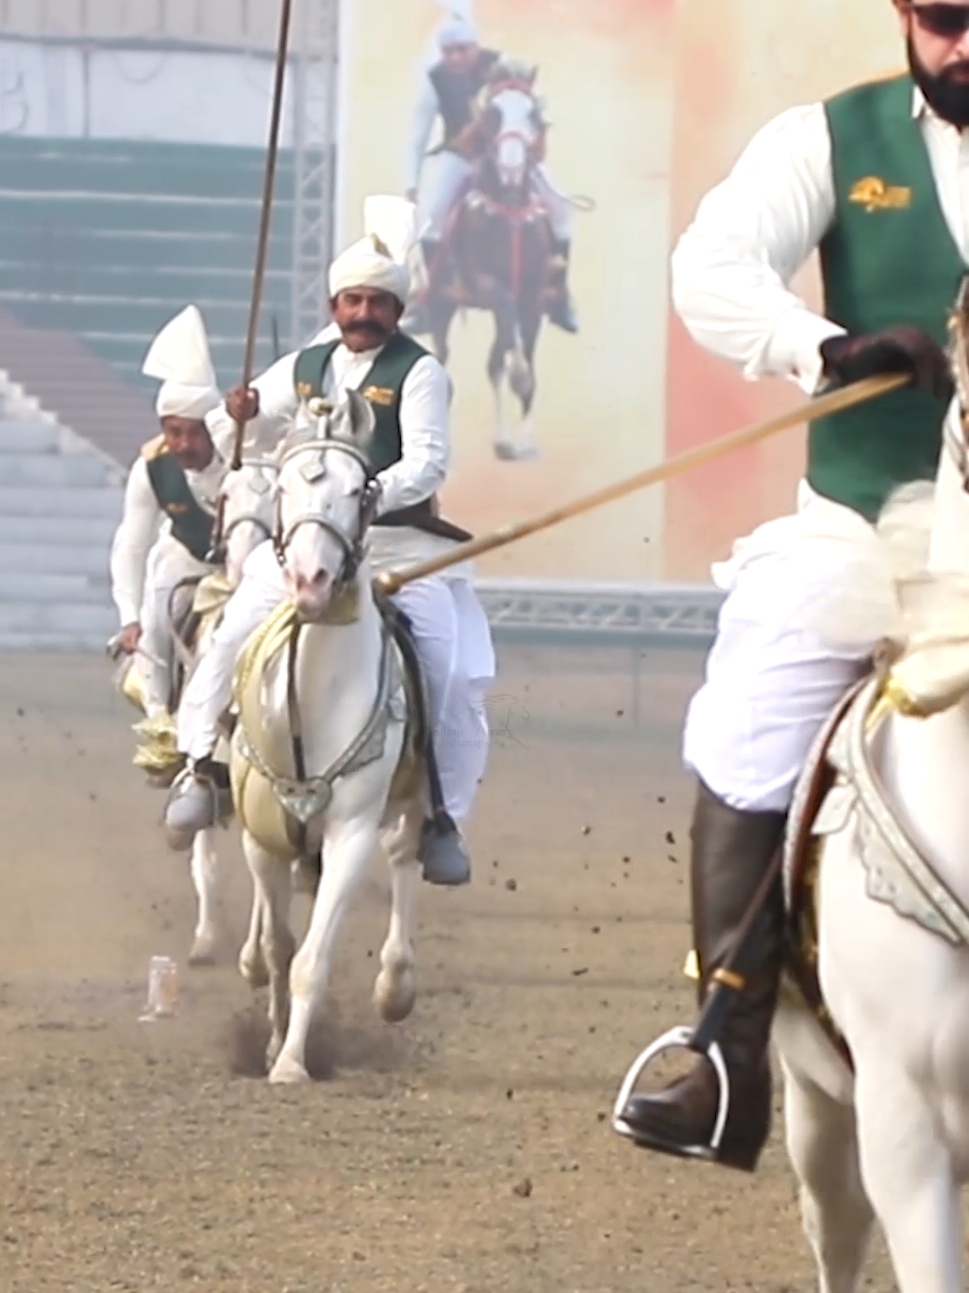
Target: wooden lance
<point>262,241</point>
<point>847,397</point>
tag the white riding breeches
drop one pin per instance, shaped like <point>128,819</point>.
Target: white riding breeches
<point>167,565</point>
<point>453,640</point>
<point>773,675</point>
<point>442,176</point>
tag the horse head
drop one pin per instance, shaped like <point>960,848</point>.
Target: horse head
<point>248,495</point>
<point>513,124</point>
<point>326,499</point>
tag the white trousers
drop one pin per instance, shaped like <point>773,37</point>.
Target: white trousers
<point>168,564</point>
<point>441,178</point>
<point>772,677</point>
<point>453,640</point>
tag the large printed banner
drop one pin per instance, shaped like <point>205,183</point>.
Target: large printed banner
<point>647,103</point>
<point>603,80</point>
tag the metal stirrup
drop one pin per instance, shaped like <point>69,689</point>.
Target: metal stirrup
<point>679,1038</point>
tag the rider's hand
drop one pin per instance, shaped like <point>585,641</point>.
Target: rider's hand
<point>242,403</point>
<point>902,349</point>
<point>128,639</point>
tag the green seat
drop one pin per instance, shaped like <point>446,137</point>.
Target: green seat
<point>108,239</point>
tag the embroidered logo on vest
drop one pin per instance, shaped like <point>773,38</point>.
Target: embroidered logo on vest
<point>875,195</point>
<point>379,395</point>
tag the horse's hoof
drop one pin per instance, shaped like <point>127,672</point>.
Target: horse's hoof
<point>287,1072</point>
<point>254,971</point>
<point>394,994</point>
<point>203,951</point>
<point>505,450</point>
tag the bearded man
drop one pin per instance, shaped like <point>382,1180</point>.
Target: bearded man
<point>877,180</point>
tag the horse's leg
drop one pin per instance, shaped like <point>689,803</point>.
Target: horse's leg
<point>908,1174</point>
<point>442,315</point>
<point>394,991</point>
<point>823,1146</point>
<point>348,847</point>
<point>205,876</point>
<point>524,381</point>
<point>497,356</point>
<point>272,881</point>
<point>252,962</point>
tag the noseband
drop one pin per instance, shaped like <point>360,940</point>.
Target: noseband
<point>351,545</point>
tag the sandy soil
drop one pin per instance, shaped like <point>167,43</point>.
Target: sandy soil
<point>467,1149</point>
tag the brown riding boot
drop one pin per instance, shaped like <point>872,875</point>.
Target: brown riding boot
<point>731,850</point>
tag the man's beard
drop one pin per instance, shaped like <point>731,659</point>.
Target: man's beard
<point>945,94</point>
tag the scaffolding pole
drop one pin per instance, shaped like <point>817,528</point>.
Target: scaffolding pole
<point>314,69</point>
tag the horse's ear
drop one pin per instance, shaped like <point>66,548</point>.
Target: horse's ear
<point>533,75</point>
<point>361,419</point>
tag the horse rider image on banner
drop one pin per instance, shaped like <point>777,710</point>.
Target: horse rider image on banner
<point>170,501</point>
<point>876,179</point>
<point>410,394</point>
<point>438,179</point>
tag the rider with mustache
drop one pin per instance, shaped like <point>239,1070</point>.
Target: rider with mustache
<point>410,394</point>
<point>877,180</point>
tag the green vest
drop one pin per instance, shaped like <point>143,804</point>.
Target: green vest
<point>381,387</point>
<point>888,258</point>
<point>192,525</point>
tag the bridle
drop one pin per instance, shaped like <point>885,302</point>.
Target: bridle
<point>222,531</point>
<point>351,545</point>
<point>266,527</point>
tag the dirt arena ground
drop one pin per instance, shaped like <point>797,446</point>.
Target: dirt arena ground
<point>465,1150</point>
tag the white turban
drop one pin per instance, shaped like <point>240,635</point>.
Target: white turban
<point>457,31</point>
<point>179,357</point>
<point>379,259</point>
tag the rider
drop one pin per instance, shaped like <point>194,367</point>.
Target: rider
<point>872,178</point>
<point>434,181</point>
<point>410,394</point>
<point>174,485</point>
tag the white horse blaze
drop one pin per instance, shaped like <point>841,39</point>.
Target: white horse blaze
<point>893,1143</point>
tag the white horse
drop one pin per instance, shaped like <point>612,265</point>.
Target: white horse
<point>246,503</point>
<point>890,1139</point>
<point>324,730</point>
<point>248,497</point>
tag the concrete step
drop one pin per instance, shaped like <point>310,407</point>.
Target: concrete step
<point>66,642</point>
<point>55,559</point>
<point>28,437</point>
<point>94,530</point>
<point>34,500</point>
<point>67,620</point>
<point>52,471</point>
<point>48,588</point>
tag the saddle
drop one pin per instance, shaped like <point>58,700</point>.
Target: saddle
<point>196,603</point>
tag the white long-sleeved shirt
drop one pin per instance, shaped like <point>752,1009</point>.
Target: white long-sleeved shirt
<point>425,401</point>
<point>425,114</point>
<point>732,267</point>
<point>142,522</point>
